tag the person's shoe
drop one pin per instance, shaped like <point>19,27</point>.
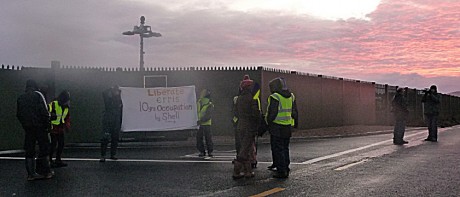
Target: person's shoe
<point>247,169</point>
<point>281,175</point>
<point>49,175</point>
<point>430,140</point>
<point>102,159</point>
<point>30,167</point>
<point>201,154</point>
<point>35,176</point>
<point>398,143</point>
<point>237,168</point>
<point>272,167</point>
<point>113,158</point>
<point>405,142</point>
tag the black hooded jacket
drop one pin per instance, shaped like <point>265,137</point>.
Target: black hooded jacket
<point>31,110</point>
<point>283,131</point>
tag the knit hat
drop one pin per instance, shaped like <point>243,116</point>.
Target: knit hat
<point>246,83</point>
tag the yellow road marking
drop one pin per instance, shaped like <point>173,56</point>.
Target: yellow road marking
<point>269,192</point>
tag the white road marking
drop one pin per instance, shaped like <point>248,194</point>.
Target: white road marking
<point>311,161</point>
<point>350,165</point>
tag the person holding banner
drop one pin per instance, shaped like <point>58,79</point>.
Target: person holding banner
<point>111,122</point>
<point>205,109</point>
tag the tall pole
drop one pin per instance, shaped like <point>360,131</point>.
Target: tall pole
<point>141,61</point>
<point>144,31</point>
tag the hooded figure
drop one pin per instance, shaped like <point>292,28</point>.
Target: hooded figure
<point>281,116</point>
<point>111,122</point>
<point>205,109</point>
<point>33,114</point>
<point>431,101</point>
<point>60,122</point>
<point>249,117</point>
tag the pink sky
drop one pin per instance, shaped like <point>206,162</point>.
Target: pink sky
<point>404,43</point>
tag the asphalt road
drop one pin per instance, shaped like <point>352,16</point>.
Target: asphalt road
<point>351,166</point>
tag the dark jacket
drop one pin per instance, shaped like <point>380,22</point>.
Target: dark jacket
<point>283,131</point>
<point>247,111</point>
<point>32,110</point>
<point>431,103</point>
<point>113,106</point>
<point>399,106</point>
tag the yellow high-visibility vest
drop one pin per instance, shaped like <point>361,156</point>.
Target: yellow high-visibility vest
<point>284,116</point>
<point>60,114</point>
<point>202,110</point>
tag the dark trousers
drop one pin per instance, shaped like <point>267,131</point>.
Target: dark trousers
<point>34,135</point>
<point>56,139</point>
<point>112,134</point>
<point>204,132</point>
<point>399,129</point>
<point>432,123</point>
<point>280,153</point>
<point>272,148</point>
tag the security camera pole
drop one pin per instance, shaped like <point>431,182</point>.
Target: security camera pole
<point>144,31</point>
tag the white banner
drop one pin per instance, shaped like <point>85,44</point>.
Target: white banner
<point>158,109</point>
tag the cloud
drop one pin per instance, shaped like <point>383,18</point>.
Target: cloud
<point>417,41</point>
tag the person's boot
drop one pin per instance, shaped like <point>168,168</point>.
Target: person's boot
<point>30,167</point>
<point>237,167</point>
<point>248,173</point>
<point>281,175</point>
<point>43,167</point>
<point>272,167</point>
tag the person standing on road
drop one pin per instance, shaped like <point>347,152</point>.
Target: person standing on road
<point>281,116</point>
<point>431,100</point>
<point>60,123</point>
<point>32,113</point>
<point>400,111</point>
<point>205,109</point>
<point>249,117</point>
<point>111,122</point>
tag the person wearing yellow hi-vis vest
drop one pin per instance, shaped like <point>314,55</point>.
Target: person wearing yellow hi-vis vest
<point>281,116</point>
<point>205,109</point>
<point>60,123</point>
